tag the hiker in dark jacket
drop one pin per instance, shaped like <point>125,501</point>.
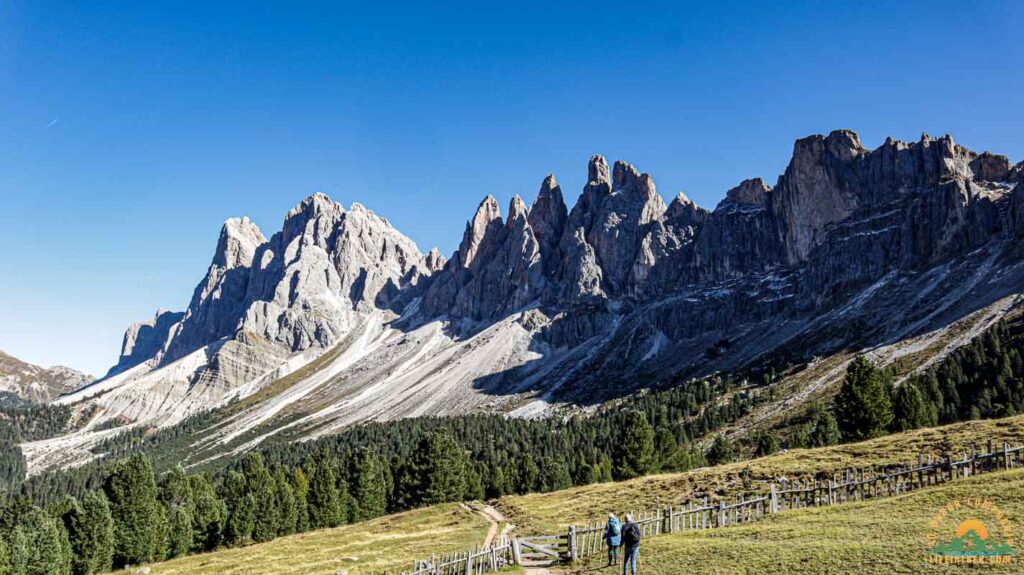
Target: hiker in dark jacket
<point>631,541</point>
<point>613,538</point>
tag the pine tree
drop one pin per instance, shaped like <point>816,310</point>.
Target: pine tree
<point>40,546</point>
<point>633,453</point>
<point>139,523</point>
<point>369,485</point>
<point>90,529</point>
<point>241,508</point>
<point>824,430</point>
<point>285,501</point>
<point>208,513</point>
<point>438,470</point>
<point>261,485</point>
<point>474,484</point>
<point>910,411</point>
<point>553,475</point>
<point>765,443</point>
<point>5,558</point>
<point>721,451</point>
<point>496,486</point>
<point>864,404</point>
<point>528,474</point>
<point>300,487</point>
<point>665,448</point>
<point>323,499</point>
<point>603,470</point>
<point>179,508</point>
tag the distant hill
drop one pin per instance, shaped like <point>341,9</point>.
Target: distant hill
<point>38,384</point>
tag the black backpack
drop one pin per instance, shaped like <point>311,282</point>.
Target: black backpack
<point>631,535</point>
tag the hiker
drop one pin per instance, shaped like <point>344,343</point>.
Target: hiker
<point>613,537</point>
<point>631,539</point>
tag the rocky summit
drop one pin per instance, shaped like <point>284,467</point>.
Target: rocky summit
<point>338,318</point>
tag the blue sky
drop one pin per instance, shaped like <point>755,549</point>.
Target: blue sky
<point>130,131</point>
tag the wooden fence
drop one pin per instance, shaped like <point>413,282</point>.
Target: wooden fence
<point>582,541</point>
<point>476,561</point>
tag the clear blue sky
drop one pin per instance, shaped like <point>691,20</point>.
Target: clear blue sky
<point>129,131</point>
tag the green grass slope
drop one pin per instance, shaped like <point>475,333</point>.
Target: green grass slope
<point>880,536</point>
<point>554,512</point>
<point>388,543</point>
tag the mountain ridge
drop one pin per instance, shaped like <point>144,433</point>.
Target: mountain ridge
<point>552,304</point>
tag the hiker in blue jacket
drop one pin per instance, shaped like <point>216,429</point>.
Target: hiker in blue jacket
<point>631,540</point>
<point>613,537</point>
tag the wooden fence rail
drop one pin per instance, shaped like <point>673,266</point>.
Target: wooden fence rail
<point>851,485</point>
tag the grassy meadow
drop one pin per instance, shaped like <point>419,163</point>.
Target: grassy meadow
<point>387,543</point>
<point>881,536</point>
<point>553,512</point>
<point>876,537</point>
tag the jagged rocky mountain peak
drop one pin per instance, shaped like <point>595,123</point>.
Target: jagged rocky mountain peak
<point>991,167</point>
<point>682,200</point>
<point>547,218</point>
<point>597,170</point>
<point>844,144</point>
<point>685,212</point>
<point>752,192</point>
<point>480,230</point>
<point>313,218</point>
<point>517,212</point>
<point>313,205</point>
<point>550,183</point>
<point>145,339</point>
<point>435,260</point>
<point>488,209</point>
<point>238,242</point>
<point>548,211</point>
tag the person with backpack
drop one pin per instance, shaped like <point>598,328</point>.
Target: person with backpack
<point>631,540</point>
<point>613,538</point>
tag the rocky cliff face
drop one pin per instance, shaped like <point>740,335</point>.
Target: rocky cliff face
<point>302,288</point>
<point>38,384</point>
<point>560,304</point>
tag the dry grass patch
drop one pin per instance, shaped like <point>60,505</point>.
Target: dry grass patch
<point>388,543</point>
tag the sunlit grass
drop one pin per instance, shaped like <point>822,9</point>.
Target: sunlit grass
<point>877,537</point>
<point>553,512</point>
<point>388,543</point>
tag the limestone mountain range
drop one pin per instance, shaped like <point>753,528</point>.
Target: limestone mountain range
<point>338,318</point>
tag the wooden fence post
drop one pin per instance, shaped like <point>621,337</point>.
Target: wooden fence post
<point>721,513</point>
<point>1006,455</point>
<point>517,553</point>
<point>572,543</point>
<point>775,499</point>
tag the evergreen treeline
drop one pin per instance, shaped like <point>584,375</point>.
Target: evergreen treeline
<point>25,422</point>
<point>983,379</point>
<point>508,455</point>
<point>114,515</point>
<point>135,519</point>
<point>103,516</point>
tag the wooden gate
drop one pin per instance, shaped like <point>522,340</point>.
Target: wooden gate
<point>544,548</point>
